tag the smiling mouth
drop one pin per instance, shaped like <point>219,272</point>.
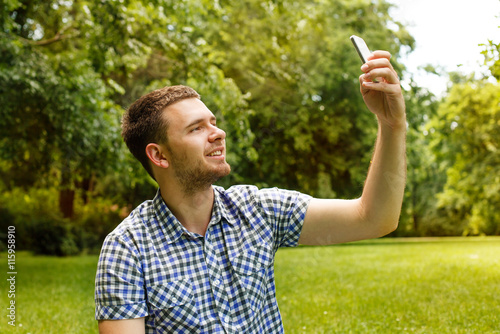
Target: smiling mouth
<point>215,154</point>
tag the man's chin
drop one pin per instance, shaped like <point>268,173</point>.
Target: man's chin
<point>224,170</point>
<point>197,179</point>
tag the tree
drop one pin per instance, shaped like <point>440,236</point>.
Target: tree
<point>466,139</point>
<point>281,75</point>
<point>57,116</point>
<point>491,55</point>
<point>424,179</point>
<point>69,68</point>
<point>465,134</point>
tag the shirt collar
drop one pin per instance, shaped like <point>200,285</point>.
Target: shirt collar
<point>223,207</point>
<point>172,227</point>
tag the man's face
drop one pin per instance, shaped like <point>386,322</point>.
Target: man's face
<point>196,146</point>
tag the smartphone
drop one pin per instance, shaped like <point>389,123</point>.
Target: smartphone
<point>361,48</point>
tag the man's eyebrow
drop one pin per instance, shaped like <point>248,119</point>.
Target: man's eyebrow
<point>200,120</point>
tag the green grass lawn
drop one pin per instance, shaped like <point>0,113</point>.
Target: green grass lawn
<point>381,286</point>
<point>53,295</point>
<point>392,286</point>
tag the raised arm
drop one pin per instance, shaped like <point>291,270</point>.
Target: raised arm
<point>376,212</point>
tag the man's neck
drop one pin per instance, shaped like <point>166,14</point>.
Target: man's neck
<point>192,210</point>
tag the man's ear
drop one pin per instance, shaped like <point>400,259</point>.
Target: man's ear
<point>157,155</point>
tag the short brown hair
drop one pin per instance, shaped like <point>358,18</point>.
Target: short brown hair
<point>143,122</point>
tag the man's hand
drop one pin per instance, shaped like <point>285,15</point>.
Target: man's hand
<point>383,98</point>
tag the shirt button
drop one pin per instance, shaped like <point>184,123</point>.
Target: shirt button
<point>226,319</point>
<point>217,282</point>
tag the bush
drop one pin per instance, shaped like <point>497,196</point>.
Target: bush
<point>95,221</point>
<point>22,209</point>
<point>6,220</point>
<point>51,235</point>
<point>41,228</point>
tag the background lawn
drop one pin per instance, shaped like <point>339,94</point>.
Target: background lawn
<point>392,286</point>
<point>447,285</point>
<point>54,295</point>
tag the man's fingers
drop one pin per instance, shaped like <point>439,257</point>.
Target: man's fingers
<point>388,74</point>
<point>384,87</point>
<point>380,54</point>
<point>379,66</point>
<point>376,63</point>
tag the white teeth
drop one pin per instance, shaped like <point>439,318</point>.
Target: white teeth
<point>215,153</point>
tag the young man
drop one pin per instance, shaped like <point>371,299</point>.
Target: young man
<point>199,258</point>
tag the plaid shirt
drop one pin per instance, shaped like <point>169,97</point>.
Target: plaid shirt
<point>151,266</point>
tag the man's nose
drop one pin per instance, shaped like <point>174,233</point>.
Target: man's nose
<point>216,134</point>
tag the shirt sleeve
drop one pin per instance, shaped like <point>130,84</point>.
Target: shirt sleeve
<point>285,210</point>
<point>119,286</point>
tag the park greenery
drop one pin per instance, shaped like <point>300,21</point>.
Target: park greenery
<point>282,78</point>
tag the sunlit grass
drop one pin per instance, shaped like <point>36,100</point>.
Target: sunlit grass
<point>389,286</point>
<point>54,295</point>
<point>382,286</point>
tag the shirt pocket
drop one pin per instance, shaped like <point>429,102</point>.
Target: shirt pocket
<point>253,259</point>
<point>173,306</point>
<point>252,267</point>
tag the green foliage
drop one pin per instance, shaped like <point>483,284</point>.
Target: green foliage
<point>41,228</point>
<point>491,54</point>
<point>282,78</point>
<point>52,235</point>
<point>466,136</point>
<point>452,157</point>
<point>94,221</point>
<point>24,209</point>
<point>127,186</point>
<point>423,176</point>
<point>55,105</point>
<point>38,226</point>
<point>297,64</point>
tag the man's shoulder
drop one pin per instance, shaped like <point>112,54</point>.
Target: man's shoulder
<point>237,190</point>
<point>246,191</point>
<point>250,196</point>
<point>137,220</point>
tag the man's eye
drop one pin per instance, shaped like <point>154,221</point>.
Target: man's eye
<point>198,128</point>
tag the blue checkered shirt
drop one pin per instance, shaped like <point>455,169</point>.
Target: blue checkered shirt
<point>151,266</point>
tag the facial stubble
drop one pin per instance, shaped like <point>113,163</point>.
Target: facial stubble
<point>196,177</point>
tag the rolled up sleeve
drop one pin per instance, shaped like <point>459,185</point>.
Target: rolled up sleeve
<point>119,285</point>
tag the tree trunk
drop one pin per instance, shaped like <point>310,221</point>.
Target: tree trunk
<point>87,185</point>
<point>66,193</point>
<point>414,208</point>
<point>66,202</point>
